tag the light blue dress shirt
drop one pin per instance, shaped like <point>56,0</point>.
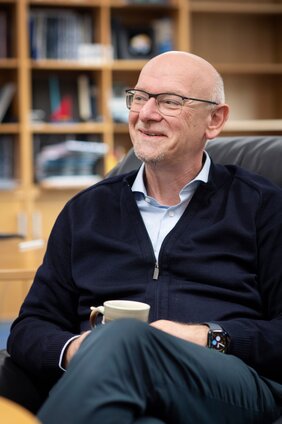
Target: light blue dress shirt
<point>159,219</point>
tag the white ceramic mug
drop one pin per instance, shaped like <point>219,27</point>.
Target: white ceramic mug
<point>114,309</point>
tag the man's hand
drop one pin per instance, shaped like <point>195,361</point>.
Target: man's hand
<point>73,347</point>
<point>195,333</point>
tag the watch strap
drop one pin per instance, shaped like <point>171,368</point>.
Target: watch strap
<point>213,326</point>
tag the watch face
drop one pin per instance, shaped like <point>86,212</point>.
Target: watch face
<point>217,340</point>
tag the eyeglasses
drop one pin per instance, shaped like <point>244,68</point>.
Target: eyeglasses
<point>168,103</point>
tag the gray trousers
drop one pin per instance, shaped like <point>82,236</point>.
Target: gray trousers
<point>128,372</point>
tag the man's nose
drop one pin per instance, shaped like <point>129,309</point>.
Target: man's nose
<point>150,110</point>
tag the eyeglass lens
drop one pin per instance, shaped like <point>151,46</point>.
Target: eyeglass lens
<point>168,104</point>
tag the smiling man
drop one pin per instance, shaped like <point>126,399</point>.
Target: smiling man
<point>168,129</point>
<point>201,243</point>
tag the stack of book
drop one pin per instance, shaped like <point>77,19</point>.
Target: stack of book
<point>70,163</point>
<point>58,33</point>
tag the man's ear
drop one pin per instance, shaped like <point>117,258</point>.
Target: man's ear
<point>218,118</point>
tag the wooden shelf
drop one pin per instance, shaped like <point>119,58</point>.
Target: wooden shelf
<point>121,4</point>
<point>68,65</point>
<point>65,128</point>
<point>9,128</point>
<point>250,68</point>
<point>8,63</point>
<point>254,126</point>
<point>235,7</point>
<point>66,3</point>
<point>127,65</point>
<point>121,128</point>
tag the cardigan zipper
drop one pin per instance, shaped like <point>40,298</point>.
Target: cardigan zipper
<point>156,271</point>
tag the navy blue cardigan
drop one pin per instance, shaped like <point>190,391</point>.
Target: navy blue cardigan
<point>221,263</point>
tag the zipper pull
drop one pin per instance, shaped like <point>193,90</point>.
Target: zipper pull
<point>156,271</point>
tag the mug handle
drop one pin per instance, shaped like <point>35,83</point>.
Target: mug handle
<point>95,312</point>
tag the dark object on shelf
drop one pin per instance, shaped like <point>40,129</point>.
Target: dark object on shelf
<point>6,96</point>
<point>10,235</point>
<point>133,42</point>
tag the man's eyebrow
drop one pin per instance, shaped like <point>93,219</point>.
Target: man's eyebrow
<point>162,92</point>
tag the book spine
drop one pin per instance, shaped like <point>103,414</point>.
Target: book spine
<point>6,158</point>
<point>84,100</point>
<point>3,35</point>
<point>6,96</point>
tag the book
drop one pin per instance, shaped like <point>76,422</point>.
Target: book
<point>84,98</point>
<point>61,106</point>
<point>163,30</point>
<point>68,161</point>
<point>6,96</point>
<point>7,159</point>
<point>3,35</point>
<point>58,33</point>
<point>117,103</point>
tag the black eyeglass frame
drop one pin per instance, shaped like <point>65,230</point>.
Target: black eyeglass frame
<point>155,96</point>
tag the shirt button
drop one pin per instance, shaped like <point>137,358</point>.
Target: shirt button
<point>171,213</point>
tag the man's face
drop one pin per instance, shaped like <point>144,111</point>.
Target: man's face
<point>159,138</point>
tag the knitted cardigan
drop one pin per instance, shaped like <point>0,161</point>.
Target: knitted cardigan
<point>220,263</point>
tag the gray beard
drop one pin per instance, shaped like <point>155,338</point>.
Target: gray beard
<point>147,160</point>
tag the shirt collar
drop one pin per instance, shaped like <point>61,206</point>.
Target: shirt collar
<point>139,186</point>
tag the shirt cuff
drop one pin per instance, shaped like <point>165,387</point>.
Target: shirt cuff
<point>63,351</point>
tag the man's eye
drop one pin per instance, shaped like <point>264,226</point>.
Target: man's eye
<point>171,103</point>
<point>139,99</point>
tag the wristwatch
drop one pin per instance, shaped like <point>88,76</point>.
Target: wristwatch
<point>218,339</point>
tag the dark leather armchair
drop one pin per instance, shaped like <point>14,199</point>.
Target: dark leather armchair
<point>260,154</point>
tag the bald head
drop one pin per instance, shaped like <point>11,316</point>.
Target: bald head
<point>175,68</point>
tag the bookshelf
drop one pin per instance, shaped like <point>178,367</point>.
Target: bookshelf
<point>242,38</point>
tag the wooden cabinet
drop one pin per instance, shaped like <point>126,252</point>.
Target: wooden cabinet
<point>243,39</point>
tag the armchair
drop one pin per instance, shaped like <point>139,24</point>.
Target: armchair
<point>259,154</point>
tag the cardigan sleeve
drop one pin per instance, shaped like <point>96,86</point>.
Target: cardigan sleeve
<point>259,342</point>
<point>48,316</point>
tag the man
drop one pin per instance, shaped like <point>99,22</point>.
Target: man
<point>201,243</point>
